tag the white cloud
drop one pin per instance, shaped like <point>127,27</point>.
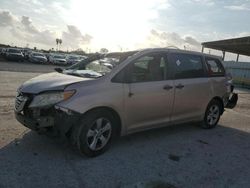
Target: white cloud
<point>28,26</point>
<point>73,37</point>
<point>204,2</point>
<point>238,7</point>
<point>23,30</point>
<point>7,18</point>
<point>115,23</point>
<point>167,39</point>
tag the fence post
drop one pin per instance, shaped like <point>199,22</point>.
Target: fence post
<point>237,59</point>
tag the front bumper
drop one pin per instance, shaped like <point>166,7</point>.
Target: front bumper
<point>58,121</point>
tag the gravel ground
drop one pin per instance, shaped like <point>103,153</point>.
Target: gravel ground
<point>176,156</point>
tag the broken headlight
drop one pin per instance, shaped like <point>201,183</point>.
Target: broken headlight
<point>50,98</point>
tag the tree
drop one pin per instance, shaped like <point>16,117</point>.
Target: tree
<point>57,42</point>
<point>104,50</point>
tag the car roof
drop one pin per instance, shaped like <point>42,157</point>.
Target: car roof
<point>36,52</point>
<point>173,50</point>
<point>13,48</point>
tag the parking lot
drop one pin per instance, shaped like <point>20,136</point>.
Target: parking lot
<point>176,156</point>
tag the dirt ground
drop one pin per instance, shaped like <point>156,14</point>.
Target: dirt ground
<point>176,156</point>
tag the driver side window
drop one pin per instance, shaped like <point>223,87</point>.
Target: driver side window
<point>148,68</point>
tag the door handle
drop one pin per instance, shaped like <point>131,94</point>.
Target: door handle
<point>167,87</point>
<point>179,86</point>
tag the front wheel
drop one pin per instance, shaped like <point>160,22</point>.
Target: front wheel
<point>212,114</point>
<point>95,133</point>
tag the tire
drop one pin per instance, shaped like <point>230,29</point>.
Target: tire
<point>95,133</point>
<point>212,114</point>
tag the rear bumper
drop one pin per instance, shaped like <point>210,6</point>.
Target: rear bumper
<point>232,101</point>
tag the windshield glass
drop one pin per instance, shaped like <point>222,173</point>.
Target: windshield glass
<point>72,57</point>
<point>97,67</point>
<point>14,51</point>
<point>59,57</point>
<point>38,54</point>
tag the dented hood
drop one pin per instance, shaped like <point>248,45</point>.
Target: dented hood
<point>49,82</point>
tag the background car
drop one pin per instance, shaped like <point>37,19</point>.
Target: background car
<point>72,59</point>
<point>2,53</point>
<point>58,59</point>
<point>36,57</point>
<point>14,54</point>
<point>26,53</point>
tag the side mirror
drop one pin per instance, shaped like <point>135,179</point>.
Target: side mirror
<point>58,70</point>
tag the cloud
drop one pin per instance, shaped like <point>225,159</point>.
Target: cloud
<point>203,2</point>
<point>74,38</point>
<point>191,41</point>
<point>166,39</point>
<point>28,26</point>
<point>25,31</point>
<point>238,7</point>
<point>6,18</point>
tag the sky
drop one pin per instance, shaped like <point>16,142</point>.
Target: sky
<point>120,25</point>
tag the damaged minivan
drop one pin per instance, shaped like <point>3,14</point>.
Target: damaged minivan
<point>96,100</point>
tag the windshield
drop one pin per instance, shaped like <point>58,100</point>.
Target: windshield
<point>96,66</point>
<point>73,57</point>
<point>59,57</point>
<point>38,55</point>
<point>14,51</point>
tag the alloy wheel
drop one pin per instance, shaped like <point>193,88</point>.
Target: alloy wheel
<point>99,134</point>
<point>213,114</point>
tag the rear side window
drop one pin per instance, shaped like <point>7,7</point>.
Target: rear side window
<point>187,66</point>
<point>214,67</point>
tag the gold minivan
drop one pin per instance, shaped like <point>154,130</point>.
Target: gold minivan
<point>99,98</point>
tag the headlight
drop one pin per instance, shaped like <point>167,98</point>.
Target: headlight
<point>47,99</point>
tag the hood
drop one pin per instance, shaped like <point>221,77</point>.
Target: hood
<point>49,82</point>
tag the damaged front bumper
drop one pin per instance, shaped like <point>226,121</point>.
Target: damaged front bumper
<point>56,119</point>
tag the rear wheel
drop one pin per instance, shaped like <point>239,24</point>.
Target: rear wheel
<point>95,133</point>
<point>212,114</point>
